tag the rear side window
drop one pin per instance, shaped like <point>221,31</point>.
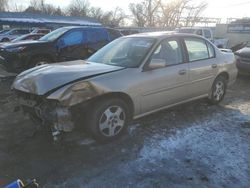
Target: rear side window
<point>207,34</point>
<point>198,32</point>
<point>22,32</point>
<point>197,49</point>
<point>97,35</point>
<point>114,34</point>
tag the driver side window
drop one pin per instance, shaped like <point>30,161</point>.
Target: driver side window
<point>167,53</point>
<point>71,39</point>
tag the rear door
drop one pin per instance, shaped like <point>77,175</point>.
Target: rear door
<point>96,39</point>
<point>167,84</point>
<point>202,65</point>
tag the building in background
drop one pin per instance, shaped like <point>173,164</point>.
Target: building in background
<point>29,20</point>
<point>236,32</point>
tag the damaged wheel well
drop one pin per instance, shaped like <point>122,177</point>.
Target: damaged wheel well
<point>126,98</point>
<point>224,75</point>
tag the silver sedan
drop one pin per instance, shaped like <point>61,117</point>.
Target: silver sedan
<point>129,78</point>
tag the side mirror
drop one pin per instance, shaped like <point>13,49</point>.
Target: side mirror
<point>156,64</point>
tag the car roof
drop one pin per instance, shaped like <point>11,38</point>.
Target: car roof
<point>163,34</point>
<point>92,27</point>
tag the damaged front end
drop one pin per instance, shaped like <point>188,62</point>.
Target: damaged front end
<point>49,113</point>
<point>56,109</point>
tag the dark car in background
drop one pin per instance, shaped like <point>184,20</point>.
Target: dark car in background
<point>63,44</point>
<point>243,60</point>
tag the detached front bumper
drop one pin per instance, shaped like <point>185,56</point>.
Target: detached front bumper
<point>47,112</point>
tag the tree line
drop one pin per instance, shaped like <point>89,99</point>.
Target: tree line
<point>147,13</point>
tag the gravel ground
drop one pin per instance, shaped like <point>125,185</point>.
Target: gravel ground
<point>191,145</point>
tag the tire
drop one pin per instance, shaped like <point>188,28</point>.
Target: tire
<point>218,90</point>
<point>108,120</point>
<point>5,40</point>
<point>37,61</point>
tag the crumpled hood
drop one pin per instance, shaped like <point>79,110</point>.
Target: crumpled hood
<point>42,79</point>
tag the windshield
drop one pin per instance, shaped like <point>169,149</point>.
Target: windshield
<point>54,35</point>
<point>124,52</point>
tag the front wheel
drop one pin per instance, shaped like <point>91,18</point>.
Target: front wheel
<point>218,90</point>
<point>108,120</point>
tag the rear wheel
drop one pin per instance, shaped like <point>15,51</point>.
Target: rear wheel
<point>108,120</point>
<point>37,61</point>
<point>218,90</point>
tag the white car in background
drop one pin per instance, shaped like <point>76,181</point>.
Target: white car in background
<point>13,34</point>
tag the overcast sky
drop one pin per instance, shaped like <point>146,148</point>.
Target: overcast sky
<point>218,8</point>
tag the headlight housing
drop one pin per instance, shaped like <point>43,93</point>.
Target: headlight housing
<point>80,86</point>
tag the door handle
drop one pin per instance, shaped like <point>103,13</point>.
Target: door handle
<point>182,72</point>
<point>214,66</point>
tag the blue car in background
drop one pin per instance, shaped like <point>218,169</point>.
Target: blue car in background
<point>63,44</point>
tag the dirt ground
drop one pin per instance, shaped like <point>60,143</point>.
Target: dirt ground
<point>191,145</point>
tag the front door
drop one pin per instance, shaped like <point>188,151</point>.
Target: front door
<point>166,81</point>
<point>73,46</point>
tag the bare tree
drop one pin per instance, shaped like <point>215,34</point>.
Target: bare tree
<point>78,8</point>
<point>144,13</point>
<point>166,13</point>
<point>3,5</point>
<point>138,12</point>
<point>39,6</point>
<point>193,13</point>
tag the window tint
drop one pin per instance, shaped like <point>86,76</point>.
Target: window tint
<point>207,34</point>
<point>210,50</point>
<point>198,32</point>
<point>22,31</point>
<point>197,49</point>
<point>72,38</point>
<point>96,35</point>
<point>169,52</point>
<point>113,34</point>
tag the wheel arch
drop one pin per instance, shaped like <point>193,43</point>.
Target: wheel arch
<point>119,95</point>
<point>223,74</point>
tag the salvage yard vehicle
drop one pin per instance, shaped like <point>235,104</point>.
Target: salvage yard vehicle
<point>63,44</point>
<point>243,60</point>
<point>13,33</point>
<point>202,31</point>
<point>129,78</point>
